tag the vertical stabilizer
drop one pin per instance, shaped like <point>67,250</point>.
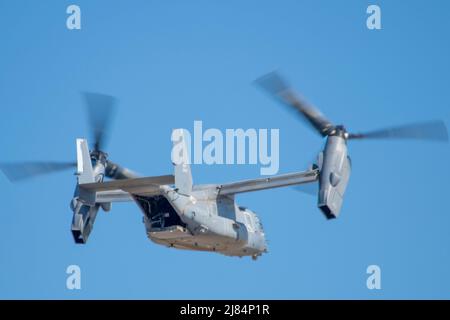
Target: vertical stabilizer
<point>85,171</point>
<point>181,160</point>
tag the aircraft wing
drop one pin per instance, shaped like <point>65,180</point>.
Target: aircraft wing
<point>283,180</point>
<point>113,196</point>
<point>118,188</point>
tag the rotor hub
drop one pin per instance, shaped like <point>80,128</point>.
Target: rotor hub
<point>99,156</point>
<point>339,131</point>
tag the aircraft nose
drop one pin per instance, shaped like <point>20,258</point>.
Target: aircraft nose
<point>265,247</point>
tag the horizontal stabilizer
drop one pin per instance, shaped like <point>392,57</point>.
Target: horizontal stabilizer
<point>269,182</point>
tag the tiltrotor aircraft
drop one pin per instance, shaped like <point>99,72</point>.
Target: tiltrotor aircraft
<point>182,215</point>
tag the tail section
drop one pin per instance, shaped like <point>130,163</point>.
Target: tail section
<point>85,171</point>
<point>181,157</point>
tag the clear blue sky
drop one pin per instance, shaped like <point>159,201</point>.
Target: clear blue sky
<point>174,62</point>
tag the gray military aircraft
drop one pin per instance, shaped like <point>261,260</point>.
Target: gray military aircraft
<point>182,215</point>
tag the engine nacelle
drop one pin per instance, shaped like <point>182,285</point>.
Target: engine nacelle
<point>83,219</point>
<point>335,168</point>
<point>90,168</point>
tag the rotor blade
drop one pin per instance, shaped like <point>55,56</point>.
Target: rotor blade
<point>275,85</point>
<point>101,109</point>
<point>23,170</point>
<point>432,130</point>
<point>115,171</point>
